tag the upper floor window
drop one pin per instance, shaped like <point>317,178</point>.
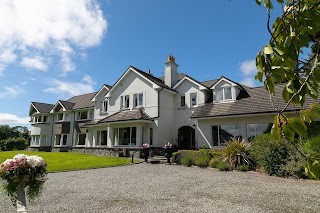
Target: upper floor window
<point>182,101</point>
<point>59,116</point>
<point>225,93</point>
<point>138,99</point>
<point>193,99</point>
<point>40,119</point>
<point>125,101</point>
<point>82,115</point>
<point>105,106</point>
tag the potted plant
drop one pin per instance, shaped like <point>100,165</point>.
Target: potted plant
<point>146,151</point>
<point>168,149</point>
<point>20,173</point>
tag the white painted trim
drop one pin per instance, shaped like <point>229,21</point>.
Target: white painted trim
<point>201,87</point>
<point>223,79</point>
<point>52,111</point>
<point>95,96</point>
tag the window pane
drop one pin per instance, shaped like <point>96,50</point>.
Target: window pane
<point>226,132</point>
<point>58,139</point>
<point>127,101</point>
<point>83,115</point>
<point>124,136</point>
<point>60,116</point>
<point>116,136</point>
<point>215,140</point>
<point>135,100</point>
<point>219,95</point>
<point>133,136</point>
<point>64,140</point>
<point>81,139</point>
<point>98,138</point>
<point>151,136</point>
<point>193,97</point>
<point>104,137</point>
<point>182,101</point>
<point>227,93</point>
<point>256,129</point>
<point>45,118</point>
<point>140,99</point>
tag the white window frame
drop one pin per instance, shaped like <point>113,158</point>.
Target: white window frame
<point>136,99</point>
<point>35,140</point>
<point>79,115</point>
<point>117,129</point>
<point>180,101</point>
<point>123,101</point>
<point>77,139</point>
<point>219,126</point>
<point>99,137</point>
<point>59,113</point>
<point>104,106</point>
<point>196,94</point>
<point>224,95</point>
<point>61,140</point>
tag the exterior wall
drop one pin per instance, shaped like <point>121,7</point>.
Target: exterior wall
<point>131,84</point>
<point>43,129</point>
<point>205,131</point>
<point>98,114</point>
<point>70,135</point>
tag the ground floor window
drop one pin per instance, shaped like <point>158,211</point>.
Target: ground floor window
<point>125,136</point>
<point>35,140</point>
<point>102,138</point>
<point>223,133</point>
<point>61,140</point>
<point>256,129</point>
<point>81,139</point>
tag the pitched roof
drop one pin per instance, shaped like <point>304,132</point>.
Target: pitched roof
<point>256,101</point>
<point>66,104</point>
<point>155,80</point>
<point>43,107</point>
<point>209,83</point>
<point>81,101</point>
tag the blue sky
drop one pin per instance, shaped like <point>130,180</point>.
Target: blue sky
<point>51,50</point>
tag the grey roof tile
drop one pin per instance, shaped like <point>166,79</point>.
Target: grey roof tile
<point>43,107</point>
<point>82,101</point>
<point>256,101</point>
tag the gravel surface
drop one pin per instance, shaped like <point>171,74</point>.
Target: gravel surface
<point>170,188</point>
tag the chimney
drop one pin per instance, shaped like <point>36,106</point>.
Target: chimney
<point>171,72</point>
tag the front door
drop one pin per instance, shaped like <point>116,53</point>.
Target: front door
<point>186,137</point>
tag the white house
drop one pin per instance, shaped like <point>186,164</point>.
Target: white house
<point>141,108</point>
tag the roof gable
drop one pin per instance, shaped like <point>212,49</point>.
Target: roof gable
<point>188,78</point>
<point>233,83</point>
<point>40,108</point>
<point>104,87</point>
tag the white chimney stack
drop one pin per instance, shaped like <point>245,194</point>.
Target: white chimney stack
<point>171,72</point>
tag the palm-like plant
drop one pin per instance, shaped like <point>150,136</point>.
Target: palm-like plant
<point>236,153</point>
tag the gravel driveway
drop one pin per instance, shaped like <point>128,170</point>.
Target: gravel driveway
<point>170,188</point>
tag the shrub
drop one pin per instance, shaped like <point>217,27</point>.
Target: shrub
<point>202,161</point>
<point>187,161</point>
<point>295,166</point>
<point>213,162</point>
<point>222,166</point>
<point>237,153</point>
<point>11,144</point>
<point>311,147</point>
<point>244,168</point>
<point>269,154</point>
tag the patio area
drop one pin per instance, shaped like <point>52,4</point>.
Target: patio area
<point>170,188</point>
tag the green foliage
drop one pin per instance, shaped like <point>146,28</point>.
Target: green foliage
<point>313,169</point>
<point>244,168</point>
<point>236,153</point>
<point>269,154</point>
<point>213,162</point>
<point>66,161</point>
<point>187,161</point>
<point>13,132</point>
<point>295,165</point>
<point>311,147</point>
<point>202,161</point>
<point>11,144</point>
<point>222,166</point>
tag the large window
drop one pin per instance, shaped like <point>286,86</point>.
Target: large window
<point>223,133</point>
<point>40,118</point>
<point>256,129</point>
<point>223,94</point>
<point>125,136</point>
<point>193,99</point>
<point>125,101</point>
<point>35,140</point>
<point>182,101</point>
<point>138,99</point>
<point>81,139</point>
<point>59,116</point>
<point>83,115</point>
<point>102,138</point>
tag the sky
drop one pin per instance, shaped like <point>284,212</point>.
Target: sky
<point>52,50</point>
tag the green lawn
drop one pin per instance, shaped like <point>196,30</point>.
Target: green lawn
<point>65,161</point>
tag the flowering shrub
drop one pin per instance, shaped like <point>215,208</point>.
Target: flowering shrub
<point>31,169</point>
<point>145,146</point>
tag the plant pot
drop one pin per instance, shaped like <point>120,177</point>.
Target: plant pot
<point>168,154</point>
<point>146,152</point>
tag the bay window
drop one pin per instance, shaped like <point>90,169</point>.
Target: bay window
<point>125,136</point>
<point>81,139</point>
<point>102,138</point>
<point>61,140</point>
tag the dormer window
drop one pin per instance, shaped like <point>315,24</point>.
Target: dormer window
<point>224,94</point>
<point>193,99</point>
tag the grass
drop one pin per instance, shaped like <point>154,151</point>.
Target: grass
<point>66,161</point>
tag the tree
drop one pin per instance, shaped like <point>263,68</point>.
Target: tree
<point>292,34</point>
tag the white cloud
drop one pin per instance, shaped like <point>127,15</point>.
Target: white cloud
<point>34,63</point>
<point>24,83</point>
<point>68,89</point>
<point>249,81</point>
<point>50,28</point>
<point>2,68</point>
<point>248,67</point>
<point>10,118</point>
<point>11,92</point>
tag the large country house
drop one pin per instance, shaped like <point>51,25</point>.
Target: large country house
<point>141,108</point>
